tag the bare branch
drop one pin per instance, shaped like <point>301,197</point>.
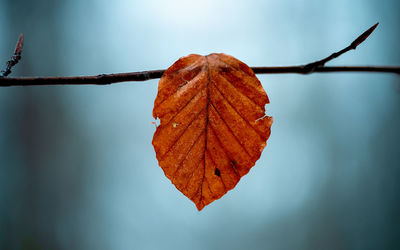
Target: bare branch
<point>105,79</point>
<point>15,58</point>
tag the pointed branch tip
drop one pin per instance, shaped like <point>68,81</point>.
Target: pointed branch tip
<point>20,44</point>
<point>363,36</point>
<point>15,58</point>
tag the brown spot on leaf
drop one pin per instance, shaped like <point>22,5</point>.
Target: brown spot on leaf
<point>217,172</point>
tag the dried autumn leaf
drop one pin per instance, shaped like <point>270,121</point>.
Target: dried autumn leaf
<point>213,126</point>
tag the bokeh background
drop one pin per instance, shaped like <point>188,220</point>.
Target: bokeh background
<point>77,168</point>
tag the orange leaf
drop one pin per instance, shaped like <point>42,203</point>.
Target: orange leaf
<point>213,126</point>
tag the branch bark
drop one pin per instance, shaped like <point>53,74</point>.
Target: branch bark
<point>105,79</point>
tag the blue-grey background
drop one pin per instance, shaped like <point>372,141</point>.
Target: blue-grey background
<point>77,168</point>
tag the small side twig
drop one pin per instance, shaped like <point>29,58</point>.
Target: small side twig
<point>105,79</point>
<point>15,58</point>
<point>311,67</point>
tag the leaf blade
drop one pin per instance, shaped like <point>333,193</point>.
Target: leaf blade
<point>213,126</point>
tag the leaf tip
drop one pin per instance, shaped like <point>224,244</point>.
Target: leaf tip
<point>199,206</point>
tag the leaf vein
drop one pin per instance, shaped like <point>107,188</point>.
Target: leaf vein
<point>173,94</point>
<point>183,132</point>
<point>225,151</point>
<point>237,90</point>
<point>237,112</point>
<point>187,154</point>
<point>233,67</point>
<point>230,130</point>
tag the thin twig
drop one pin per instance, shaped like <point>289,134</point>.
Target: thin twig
<point>15,58</point>
<point>311,67</point>
<point>105,79</point>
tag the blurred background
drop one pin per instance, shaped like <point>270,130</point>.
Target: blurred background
<point>77,168</point>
